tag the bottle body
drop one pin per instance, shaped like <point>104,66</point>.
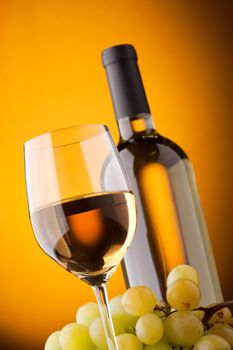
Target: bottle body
<point>171,227</point>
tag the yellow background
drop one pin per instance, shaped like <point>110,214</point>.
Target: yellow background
<point>51,77</point>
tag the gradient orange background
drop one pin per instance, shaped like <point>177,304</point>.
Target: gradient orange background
<point>51,77</point>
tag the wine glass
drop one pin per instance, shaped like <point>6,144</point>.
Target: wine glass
<point>81,205</point>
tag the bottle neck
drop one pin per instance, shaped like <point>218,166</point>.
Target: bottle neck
<point>128,95</point>
<point>125,82</point>
<point>131,126</point>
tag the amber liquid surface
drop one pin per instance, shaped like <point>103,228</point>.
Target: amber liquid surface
<point>87,235</point>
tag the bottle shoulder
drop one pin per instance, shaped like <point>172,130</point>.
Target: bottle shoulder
<point>150,141</point>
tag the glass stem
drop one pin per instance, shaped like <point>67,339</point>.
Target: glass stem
<point>102,298</point>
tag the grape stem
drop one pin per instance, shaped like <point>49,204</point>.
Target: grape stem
<point>209,311</point>
<point>165,309</point>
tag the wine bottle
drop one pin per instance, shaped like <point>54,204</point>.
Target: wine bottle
<point>171,228</point>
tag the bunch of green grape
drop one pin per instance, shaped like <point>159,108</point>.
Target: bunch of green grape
<point>142,322</point>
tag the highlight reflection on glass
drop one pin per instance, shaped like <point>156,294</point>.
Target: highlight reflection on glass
<point>81,205</point>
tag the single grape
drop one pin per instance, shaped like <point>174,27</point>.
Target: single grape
<point>123,322</point>
<point>183,271</point>
<point>211,342</point>
<point>183,328</point>
<point>128,342</point>
<point>75,336</point>
<point>221,316</point>
<point>149,329</point>
<point>139,300</point>
<point>117,309</point>
<point>122,326</point>
<point>52,342</point>
<point>183,294</point>
<point>115,305</point>
<point>97,334</point>
<point>87,313</point>
<point>161,345</point>
<point>224,331</point>
<point>119,325</point>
